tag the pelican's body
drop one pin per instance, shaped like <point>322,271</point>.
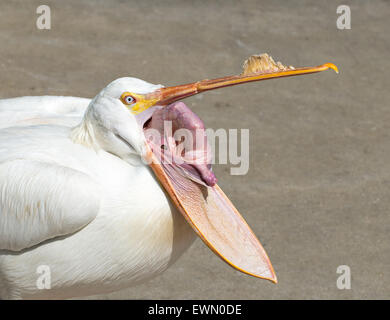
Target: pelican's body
<point>132,231</point>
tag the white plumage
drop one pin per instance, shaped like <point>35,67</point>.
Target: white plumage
<point>98,219</point>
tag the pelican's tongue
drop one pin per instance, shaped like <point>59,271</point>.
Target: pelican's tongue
<point>184,170</point>
<point>178,138</point>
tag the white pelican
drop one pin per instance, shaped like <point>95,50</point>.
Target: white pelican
<point>77,194</point>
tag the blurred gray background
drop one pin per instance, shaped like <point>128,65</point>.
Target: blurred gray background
<point>318,190</point>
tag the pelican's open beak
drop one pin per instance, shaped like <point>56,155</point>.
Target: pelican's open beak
<point>192,186</point>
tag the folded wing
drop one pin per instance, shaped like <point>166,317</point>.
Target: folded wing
<point>41,201</point>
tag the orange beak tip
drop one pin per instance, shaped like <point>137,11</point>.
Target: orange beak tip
<point>332,66</point>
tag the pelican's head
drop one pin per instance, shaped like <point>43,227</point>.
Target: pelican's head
<point>112,122</point>
<point>128,108</point>
<point>122,108</point>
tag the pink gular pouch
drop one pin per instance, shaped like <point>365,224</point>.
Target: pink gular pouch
<point>180,142</point>
<point>180,157</point>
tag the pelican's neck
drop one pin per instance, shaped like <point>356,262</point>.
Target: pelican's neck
<point>85,132</point>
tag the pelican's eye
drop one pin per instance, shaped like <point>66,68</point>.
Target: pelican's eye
<point>128,98</point>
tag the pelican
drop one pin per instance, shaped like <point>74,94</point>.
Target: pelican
<point>85,194</point>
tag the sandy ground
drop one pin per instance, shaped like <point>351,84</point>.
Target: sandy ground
<point>317,192</point>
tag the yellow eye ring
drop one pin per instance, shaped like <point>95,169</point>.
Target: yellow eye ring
<point>128,99</point>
